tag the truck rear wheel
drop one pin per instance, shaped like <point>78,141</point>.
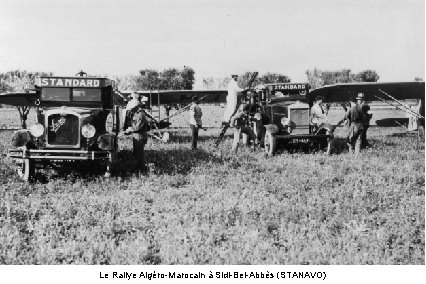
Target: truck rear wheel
<point>270,144</point>
<point>27,170</point>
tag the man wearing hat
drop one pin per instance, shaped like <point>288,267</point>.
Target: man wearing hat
<point>231,99</point>
<point>356,118</point>
<point>137,126</point>
<point>360,100</point>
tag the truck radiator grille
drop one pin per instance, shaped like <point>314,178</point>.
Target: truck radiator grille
<point>63,130</point>
<point>301,119</point>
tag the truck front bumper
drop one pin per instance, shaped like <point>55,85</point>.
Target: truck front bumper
<point>311,137</point>
<point>59,155</point>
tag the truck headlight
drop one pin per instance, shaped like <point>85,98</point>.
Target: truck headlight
<point>88,131</point>
<point>37,130</point>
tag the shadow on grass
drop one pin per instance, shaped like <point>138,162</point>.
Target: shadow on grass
<point>169,162</point>
<point>69,170</point>
<point>204,137</point>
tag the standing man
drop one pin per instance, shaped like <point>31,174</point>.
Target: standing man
<point>137,127</point>
<point>260,120</point>
<point>231,99</point>
<point>318,113</point>
<point>195,123</point>
<point>356,119</point>
<point>367,115</point>
<point>241,122</point>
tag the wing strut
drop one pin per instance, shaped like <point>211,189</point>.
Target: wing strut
<point>401,105</point>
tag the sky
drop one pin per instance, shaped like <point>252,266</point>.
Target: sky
<point>216,38</point>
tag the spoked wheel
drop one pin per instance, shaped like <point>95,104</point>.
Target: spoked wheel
<point>270,144</point>
<point>27,170</point>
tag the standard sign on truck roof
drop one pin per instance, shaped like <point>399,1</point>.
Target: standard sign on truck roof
<point>69,82</point>
<point>289,87</point>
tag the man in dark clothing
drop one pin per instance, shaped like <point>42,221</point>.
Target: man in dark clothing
<point>241,122</point>
<point>195,123</point>
<point>356,119</point>
<point>365,109</point>
<point>138,127</point>
<point>261,120</point>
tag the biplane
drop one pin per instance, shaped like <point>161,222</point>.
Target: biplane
<point>408,97</point>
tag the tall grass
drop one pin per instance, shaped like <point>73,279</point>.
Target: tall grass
<point>210,206</point>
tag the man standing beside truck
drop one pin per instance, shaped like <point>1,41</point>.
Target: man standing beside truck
<point>137,126</point>
<point>356,118</point>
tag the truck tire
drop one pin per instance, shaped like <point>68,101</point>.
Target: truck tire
<point>270,144</point>
<point>27,170</point>
<point>111,164</point>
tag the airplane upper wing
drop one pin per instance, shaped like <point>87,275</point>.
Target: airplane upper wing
<point>18,99</point>
<point>398,90</point>
<point>183,96</point>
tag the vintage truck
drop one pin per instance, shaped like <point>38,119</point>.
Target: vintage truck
<point>286,107</point>
<point>77,118</point>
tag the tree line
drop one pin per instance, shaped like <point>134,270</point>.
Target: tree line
<point>183,79</point>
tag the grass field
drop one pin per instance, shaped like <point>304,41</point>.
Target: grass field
<point>210,206</point>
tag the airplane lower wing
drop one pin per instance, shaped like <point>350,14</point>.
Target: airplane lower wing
<point>183,96</point>
<point>398,90</point>
<point>18,99</point>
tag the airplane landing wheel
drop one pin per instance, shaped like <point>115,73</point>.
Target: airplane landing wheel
<point>27,170</point>
<point>270,144</point>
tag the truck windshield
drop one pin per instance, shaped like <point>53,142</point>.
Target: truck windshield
<point>55,94</point>
<point>71,95</point>
<point>86,95</point>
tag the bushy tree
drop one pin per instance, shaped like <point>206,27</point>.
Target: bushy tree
<point>188,78</point>
<point>149,79</point>
<point>211,83</point>
<point>267,78</point>
<point>318,78</point>
<point>126,82</point>
<point>19,80</point>
<point>270,78</point>
<point>168,79</point>
<point>366,76</point>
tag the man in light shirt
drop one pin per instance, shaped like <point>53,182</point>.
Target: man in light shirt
<point>318,113</point>
<point>231,99</point>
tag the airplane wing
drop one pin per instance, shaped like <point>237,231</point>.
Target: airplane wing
<point>18,99</point>
<point>183,96</point>
<point>398,90</point>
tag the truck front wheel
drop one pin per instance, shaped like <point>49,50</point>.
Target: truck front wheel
<point>27,170</point>
<point>270,144</point>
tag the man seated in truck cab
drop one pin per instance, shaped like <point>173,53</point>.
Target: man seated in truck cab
<point>319,113</point>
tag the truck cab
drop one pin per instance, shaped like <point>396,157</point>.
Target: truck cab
<point>77,118</point>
